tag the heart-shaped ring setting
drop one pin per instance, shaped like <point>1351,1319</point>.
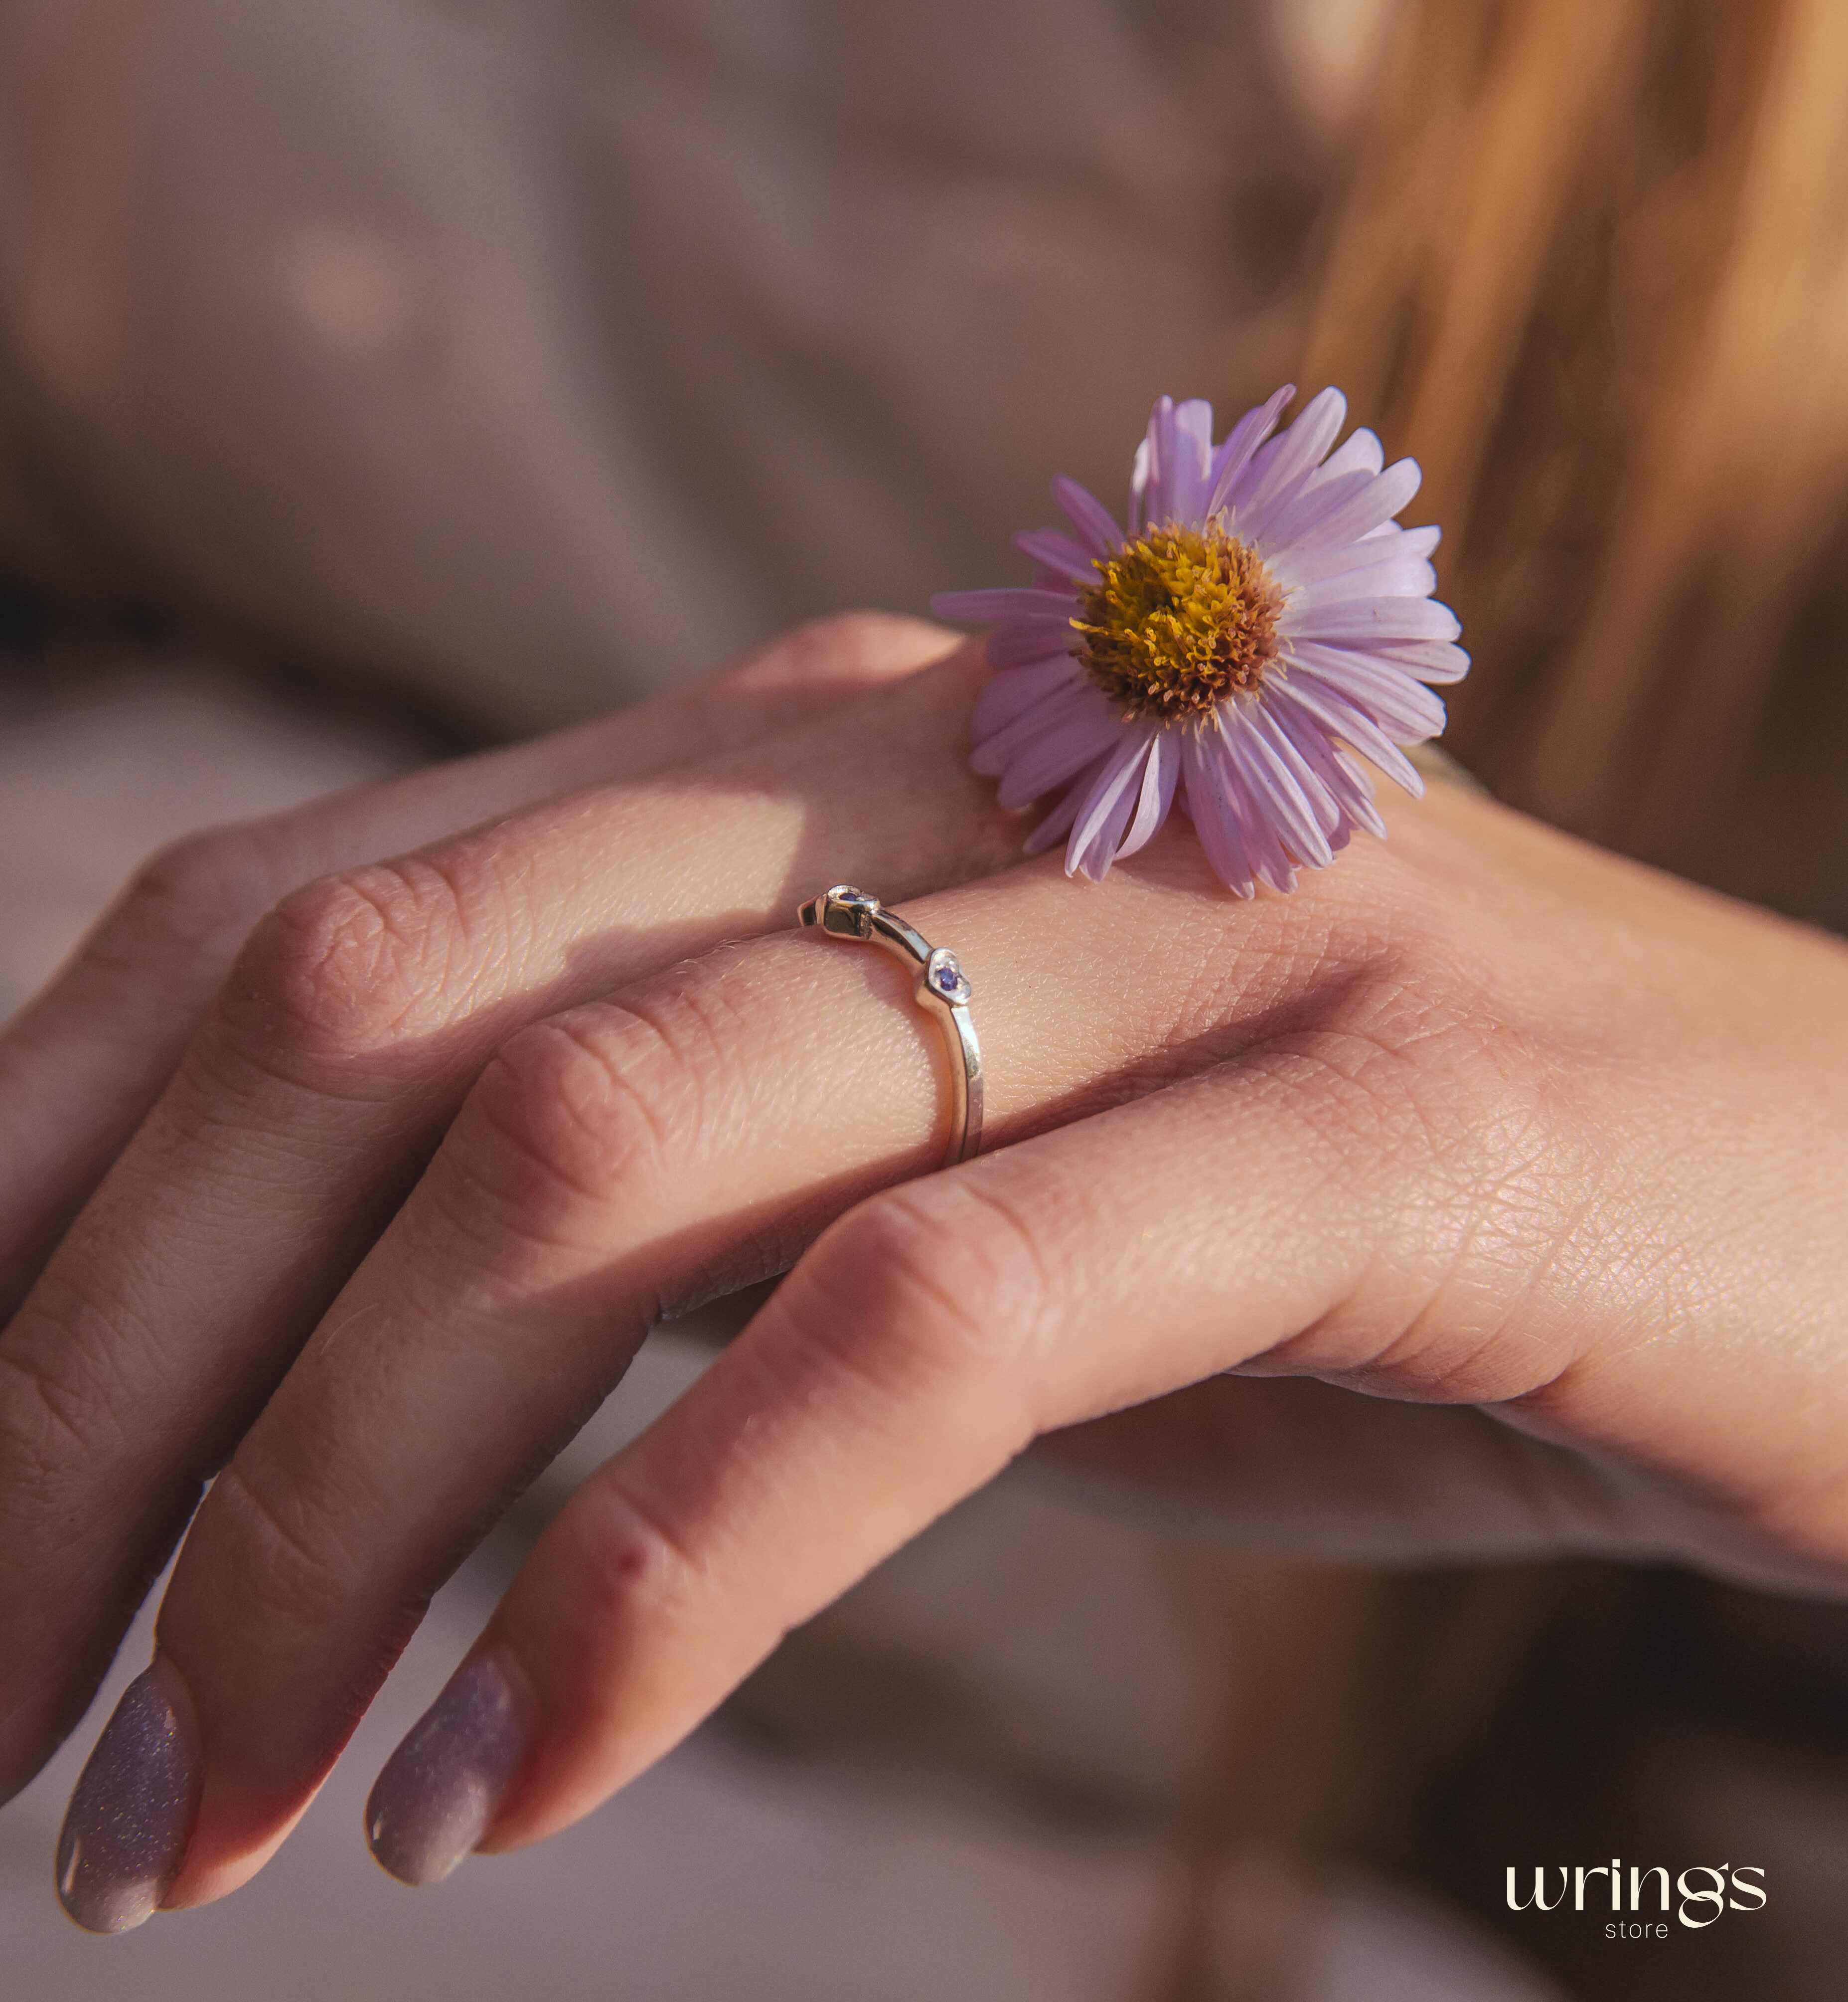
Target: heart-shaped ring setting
<point>944,977</point>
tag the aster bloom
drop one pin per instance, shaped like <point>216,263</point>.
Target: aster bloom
<point>1261,621</point>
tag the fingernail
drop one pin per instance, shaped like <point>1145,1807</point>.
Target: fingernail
<point>126,1830</point>
<point>445,1782</point>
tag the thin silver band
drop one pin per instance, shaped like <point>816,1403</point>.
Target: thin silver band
<point>943,987</point>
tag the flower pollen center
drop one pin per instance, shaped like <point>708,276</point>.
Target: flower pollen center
<point>1178,620</point>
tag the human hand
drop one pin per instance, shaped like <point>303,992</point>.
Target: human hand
<point>1538,1149</point>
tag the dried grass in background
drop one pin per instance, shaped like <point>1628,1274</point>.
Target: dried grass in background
<point>1592,272</point>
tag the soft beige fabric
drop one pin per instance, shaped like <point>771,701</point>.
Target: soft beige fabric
<point>545,351</point>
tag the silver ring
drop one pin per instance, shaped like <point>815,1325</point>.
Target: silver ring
<point>943,987</point>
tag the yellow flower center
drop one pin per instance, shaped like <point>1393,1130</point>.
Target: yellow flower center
<point>1177,621</point>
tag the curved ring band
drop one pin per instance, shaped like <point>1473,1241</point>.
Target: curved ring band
<point>846,912</point>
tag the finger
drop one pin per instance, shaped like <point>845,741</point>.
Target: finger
<point>688,1139</point>
<point>81,1064</point>
<point>356,1016</point>
<point>1370,1191</point>
<point>924,1341</point>
<point>1367,1184</point>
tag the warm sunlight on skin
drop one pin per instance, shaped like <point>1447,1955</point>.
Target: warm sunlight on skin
<point>369,1200</point>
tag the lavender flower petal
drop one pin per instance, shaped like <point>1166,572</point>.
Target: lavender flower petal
<point>1348,516</point>
<point>990,607</point>
<point>1190,450</point>
<point>1360,452</point>
<point>1142,478</point>
<point>1272,780</point>
<point>1061,755</point>
<point>1257,821</point>
<point>1074,700</point>
<point>1283,531</point>
<point>1404,708</point>
<point>1161,777</point>
<point>1347,784</point>
<point>1011,691</point>
<point>1023,642</point>
<point>1105,813</point>
<point>1425,660</point>
<point>1385,618</point>
<point>1295,568</point>
<point>1321,802</point>
<point>1396,577</point>
<point>1058,824</point>
<point>1149,480</point>
<point>1057,553</point>
<point>1299,449</point>
<point>1345,721</point>
<point>1241,441</point>
<point>1096,528</point>
<point>1275,776</point>
<point>1210,808</point>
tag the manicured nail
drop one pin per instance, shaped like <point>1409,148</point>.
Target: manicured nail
<point>126,1830</point>
<point>445,1782</point>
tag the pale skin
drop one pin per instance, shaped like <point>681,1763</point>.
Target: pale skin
<point>1484,1197</point>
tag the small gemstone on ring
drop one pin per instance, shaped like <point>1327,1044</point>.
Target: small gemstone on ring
<point>946,975</point>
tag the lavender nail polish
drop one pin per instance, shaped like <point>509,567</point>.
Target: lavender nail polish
<point>443,1785</point>
<point>126,1830</point>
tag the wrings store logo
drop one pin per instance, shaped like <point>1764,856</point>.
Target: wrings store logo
<point>1696,1897</point>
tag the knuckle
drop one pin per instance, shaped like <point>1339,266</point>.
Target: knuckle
<point>344,967</point>
<point>853,646</point>
<point>588,1103</point>
<point>44,1424</point>
<point>838,639</point>
<point>917,1290</point>
<point>273,1545</point>
<point>571,1109</point>
<point>68,1389</point>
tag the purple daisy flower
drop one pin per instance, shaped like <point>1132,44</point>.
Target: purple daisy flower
<point>1263,619</point>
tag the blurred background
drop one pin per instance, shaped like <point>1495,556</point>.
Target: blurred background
<point>381,378</point>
